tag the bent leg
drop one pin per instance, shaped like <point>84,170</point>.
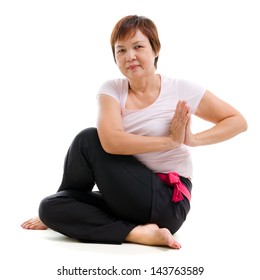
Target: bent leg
<point>83,216</point>
<point>131,195</point>
<point>125,184</point>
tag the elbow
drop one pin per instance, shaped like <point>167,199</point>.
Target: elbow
<point>110,149</point>
<point>107,147</point>
<point>243,124</point>
<point>114,148</point>
<point>111,142</point>
<point>110,146</point>
<point>239,124</point>
<point>245,127</point>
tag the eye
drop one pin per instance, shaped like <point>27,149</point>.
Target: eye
<point>120,50</point>
<point>138,47</point>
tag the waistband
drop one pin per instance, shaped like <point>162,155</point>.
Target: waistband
<point>179,189</point>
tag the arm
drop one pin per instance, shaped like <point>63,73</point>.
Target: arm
<point>115,140</point>
<point>228,122</point>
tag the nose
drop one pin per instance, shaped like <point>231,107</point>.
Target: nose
<point>130,55</point>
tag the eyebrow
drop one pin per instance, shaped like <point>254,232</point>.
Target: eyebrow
<point>137,42</point>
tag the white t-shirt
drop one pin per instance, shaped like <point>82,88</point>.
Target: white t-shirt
<point>155,120</point>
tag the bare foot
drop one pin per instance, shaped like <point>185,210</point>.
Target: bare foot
<point>151,234</point>
<point>34,223</point>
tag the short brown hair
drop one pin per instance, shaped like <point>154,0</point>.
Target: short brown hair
<point>127,26</point>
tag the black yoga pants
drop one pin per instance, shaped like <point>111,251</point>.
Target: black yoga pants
<point>129,194</point>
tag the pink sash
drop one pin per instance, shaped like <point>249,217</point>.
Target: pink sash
<point>179,189</point>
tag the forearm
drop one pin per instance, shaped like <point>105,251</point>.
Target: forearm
<point>122,143</point>
<point>222,131</point>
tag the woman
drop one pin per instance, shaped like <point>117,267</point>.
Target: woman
<point>139,155</point>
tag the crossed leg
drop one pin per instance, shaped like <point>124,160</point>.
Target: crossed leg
<point>144,233</point>
<point>149,234</point>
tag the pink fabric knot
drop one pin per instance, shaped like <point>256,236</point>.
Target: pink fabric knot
<point>173,179</point>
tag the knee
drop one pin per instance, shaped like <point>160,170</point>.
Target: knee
<point>45,210</point>
<point>49,209</point>
<point>87,137</point>
<point>89,132</point>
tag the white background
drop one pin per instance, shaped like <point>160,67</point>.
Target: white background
<point>54,55</point>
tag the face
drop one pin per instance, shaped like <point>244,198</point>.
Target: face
<point>135,56</point>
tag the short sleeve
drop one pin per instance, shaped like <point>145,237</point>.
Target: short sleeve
<point>114,88</point>
<point>191,92</point>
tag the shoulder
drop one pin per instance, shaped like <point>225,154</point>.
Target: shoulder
<point>181,86</point>
<point>115,88</point>
<point>166,80</point>
<point>187,89</point>
<point>184,89</point>
<point>113,85</point>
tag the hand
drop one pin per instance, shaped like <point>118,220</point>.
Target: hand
<point>190,139</point>
<point>180,120</point>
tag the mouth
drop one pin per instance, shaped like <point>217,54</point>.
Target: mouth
<point>133,67</point>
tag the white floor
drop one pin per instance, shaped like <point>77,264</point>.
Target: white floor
<point>224,244</point>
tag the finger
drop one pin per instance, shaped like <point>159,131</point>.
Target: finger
<point>182,107</point>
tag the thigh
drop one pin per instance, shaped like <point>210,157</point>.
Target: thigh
<point>126,184</point>
<point>127,187</point>
<point>78,172</point>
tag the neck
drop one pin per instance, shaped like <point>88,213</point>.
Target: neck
<point>145,85</point>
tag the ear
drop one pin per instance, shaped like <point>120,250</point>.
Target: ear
<point>156,54</point>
